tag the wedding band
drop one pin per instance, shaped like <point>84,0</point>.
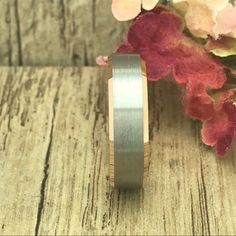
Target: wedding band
<point>128,122</point>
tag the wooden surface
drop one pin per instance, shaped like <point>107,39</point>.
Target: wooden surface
<point>54,162</point>
<point>57,32</point>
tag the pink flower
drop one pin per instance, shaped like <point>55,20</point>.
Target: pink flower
<point>220,129</point>
<point>208,17</point>
<point>226,21</point>
<point>128,9</point>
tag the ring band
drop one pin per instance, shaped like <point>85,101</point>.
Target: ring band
<point>128,122</point>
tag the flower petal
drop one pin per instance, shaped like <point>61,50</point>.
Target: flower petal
<point>230,109</point>
<point>222,98</point>
<point>157,66</point>
<point>222,47</point>
<point>216,5</point>
<point>126,47</point>
<point>155,30</point>
<point>226,21</point>
<point>224,142</point>
<point>126,10</point>
<point>203,16</point>
<point>102,61</point>
<point>214,128</point>
<point>200,67</point>
<point>219,131</point>
<point>198,104</point>
<point>149,4</point>
<point>157,36</point>
<point>199,20</point>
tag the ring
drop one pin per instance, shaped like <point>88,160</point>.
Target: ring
<point>129,148</point>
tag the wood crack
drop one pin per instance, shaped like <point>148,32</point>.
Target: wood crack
<point>8,21</point>
<point>205,200</point>
<point>86,61</point>
<point>192,215</point>
<point>118,208</point>
<point>94,15</point>
<point>18,34</point>
<point>85,213</point>
<point>201,209</point>
<point>203,204</point>
<point>63,22</point>
<point>4,142</point>
<point>46,168</point>
<point>154,122</point>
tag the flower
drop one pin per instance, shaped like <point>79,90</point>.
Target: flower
<point>157,36</point>
<point>160,37</point>
<point>128,9</point>
<point>220,129</point>
<point>207,17</point>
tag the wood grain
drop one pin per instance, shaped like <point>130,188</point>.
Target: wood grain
<point>54,162</point>
<point>57,32</point>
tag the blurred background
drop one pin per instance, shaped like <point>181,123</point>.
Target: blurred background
<point>57,32</point>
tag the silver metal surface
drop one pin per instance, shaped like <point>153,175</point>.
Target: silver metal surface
<point>128,121</point>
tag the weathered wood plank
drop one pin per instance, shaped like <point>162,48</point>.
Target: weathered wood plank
<point>26,121</point>
<point>57,32</point>
<point>54,168</point>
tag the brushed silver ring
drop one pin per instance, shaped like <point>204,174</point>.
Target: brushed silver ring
<point>128,120</point>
